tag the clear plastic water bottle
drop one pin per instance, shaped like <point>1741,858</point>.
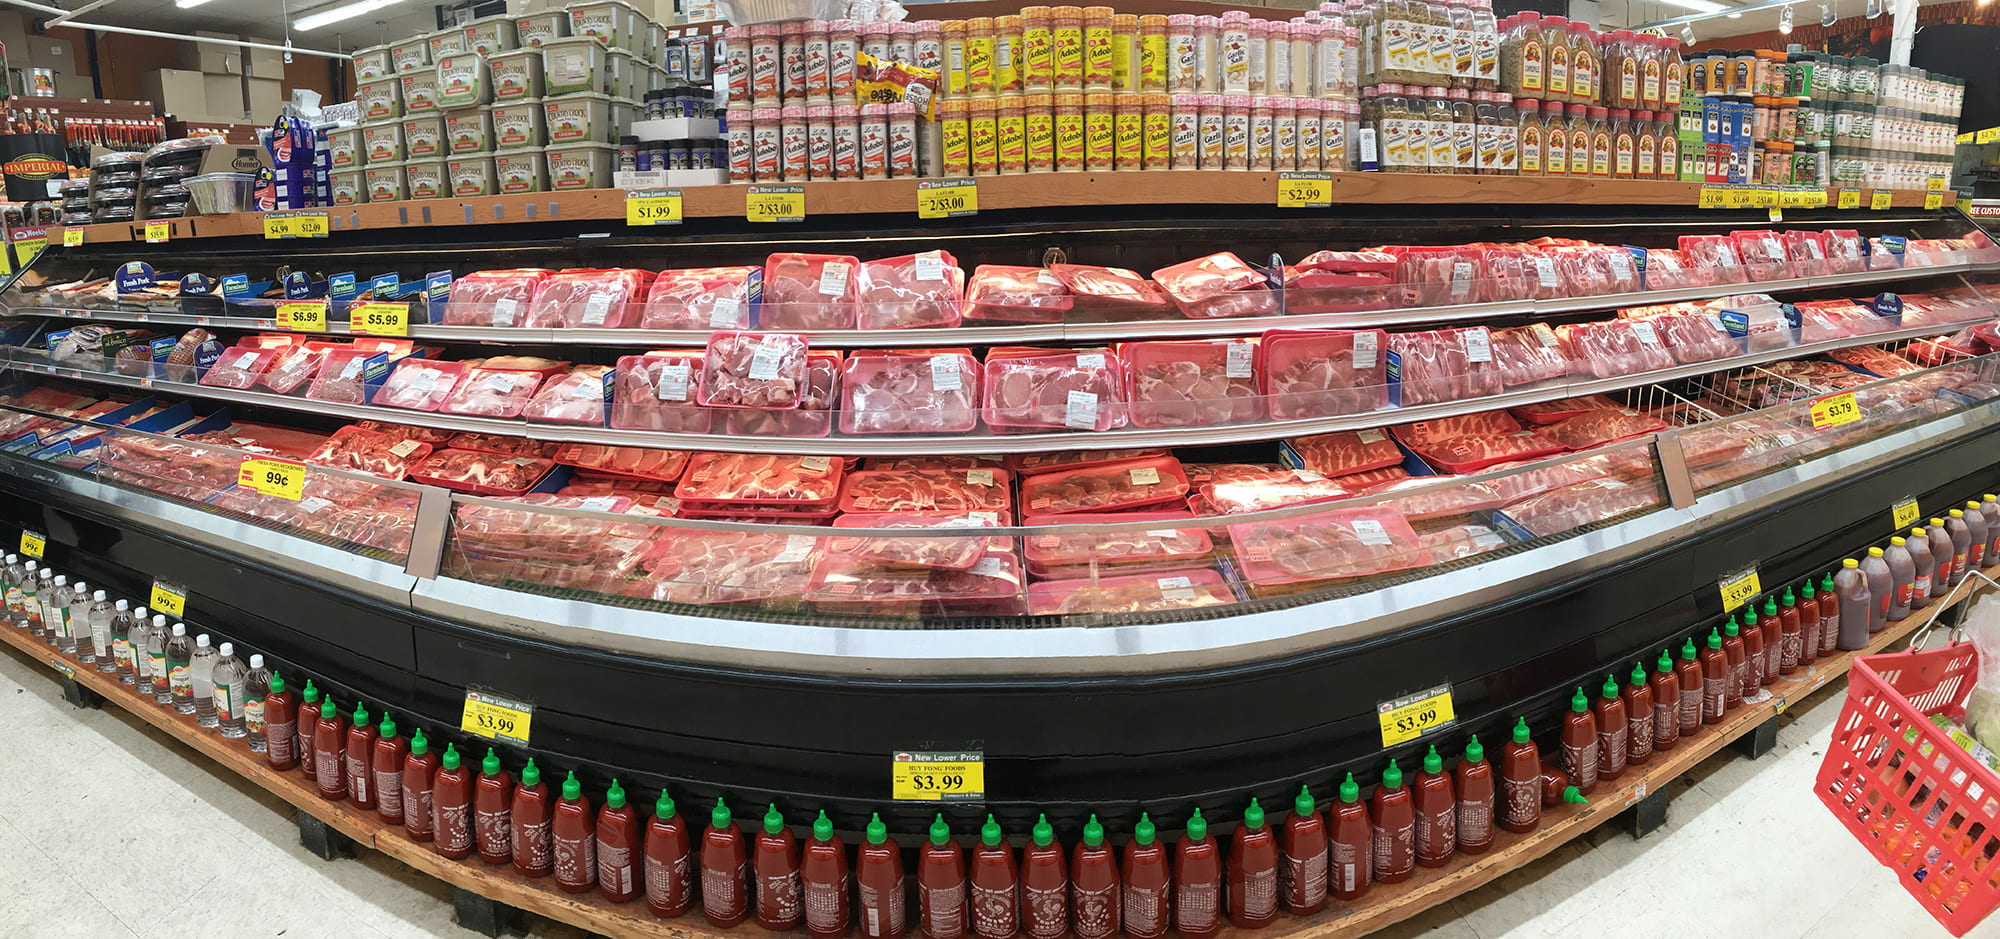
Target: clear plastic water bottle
<point>121,642</point>
<point>55,608</point>
<point>227,679</point>
<point>201,674</point>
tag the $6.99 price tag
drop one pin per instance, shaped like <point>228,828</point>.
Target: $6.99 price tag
<point>496,718</point>
<point>1414,715</point>
<point>925,776</point>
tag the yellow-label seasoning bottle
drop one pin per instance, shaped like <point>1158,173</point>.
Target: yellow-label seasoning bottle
<point>1007,55</point>
<point>1097,54</point>
<point>979,56</point>
<point>1069,133</point>
<point>953,32</point>
<point>1100,131</point>
<point>1159,132</point>
<point>1152,53</point>
<point>1125,52</point>
<point>1068,46</point>
<point>1129,142</point>
<point>1037,50</point>
<point>1040,118</point>
<point>954,138</point>
<point>985,132</point>
<point>1013,129</point>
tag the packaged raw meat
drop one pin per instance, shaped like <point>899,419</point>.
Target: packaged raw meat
<point>1562,409</point>
<point>1074,459</point>
<point>929,492</point>
<point>1445,365</point>
<point>1846,251</point>
<point>991,587</point>
<point>1371,481</point>
<point>1111,292</point>
<point>1419,435</point>
<point>1001,293</point>
<point>343,375</point>
<point>812,418</point>
<point>952,461</point>
<point>192,354</point>
<point>1271,491</point>
<point>1106,488</point>
<point>1460,541</point>
<point>1315,291</point>
<point>911,292</point>
<point>1823,320</point>
<point>1668,269</point>
<point>753,370</point>
<point>1068,555</point>
<point>1597,428</point>
<point>401,432</point>
<point>419,384</point>
<point>485,392</point>
<point>1942,312</point>
<point>578,397</point>
<point>1157,592</point>
<point>658,391</point>
<point>1323,372</point>
<point>1513,482</point>
<point>1347,452</point>
<point>1696,336</point>
<point>293,367</point>
<point>520,363</point>
<point>643,462</point>
<point>1762,253</point>
<point>905,551</point>
<point>238,367</point>
<point>1334,545</point>
<point>1513,272</point>
<point>1596,271</point>
<point>808,291</point>
<point>365,451</point>
<point>1218,285</point>
<point>1349,262</point>
<point>1806,252</point>
<point>1875,361</point>
<point>730,567</point>
<point>1029,389</point>
<point>762,479</point>
<point>915,391</point>
<point>486,474</point>
<point>1191,384</point>
<point>700,298</point>
<point>1715,256</point>
<point>589,299</point>
<point>1441,276</point>
<point>1614,348</point>
<point>1528,354</point>
<point>493,298</point>
<point>1475,452</point>
<point>1570,507</point>
<point>1434,497</point>
<point>1757,318</point>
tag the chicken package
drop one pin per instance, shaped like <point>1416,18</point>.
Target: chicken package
<point>493,298</point>
<point>486,392</point>
<point>1316,291</point>
<point>808,292</point>
<point>366,451</point>
<point>1529,354</point>
<point>1762,253</point>
<point>505,444</point>
<point>1562,409</point>
<point>700,298</point>
<point>1715,256</point>
<point>1049,460</point>
<point>1435,497</point>
<point>1218,285</point>
<point>1459,542</point>
<point>577,397</point>
<point>643,462</point>
<point>696,566</point>
<point>1334,545</point>
<point>589,299</point>
<point>238,368</point>
<point>658,392</point>
<point>420,384</point>
<point>1323,372</point>
<point>910,391</point>
<point>855,587</point>
<point>1445,365</point>
<point>944,552</point>
<point>292,368</point>
<point>1031,389</point>
<point>1158,592</point>
<point>486,474</point>
<point>1668,269</point>
<point>1806,252</point>
<point>1597,428</point>
<point>1614,348</point>
<point>1441,276</point>
<point>1069,555</point>
<point>191,355</point>
<point>753,370</point>
<point>1346,452</point>
<point>1846,251</point>
<point>1111,292</point>
<point>1418,435</point>
<point>762,479</point>
<point>1191,384</point>
<point>1570,507</point>
<point>1269,491</point>
<point>914,291</point>
<point>1107,488</point>
<point>1597,271</point>
<point>1002,293</point>
<point>929,492</point>
<point>1474,452</point>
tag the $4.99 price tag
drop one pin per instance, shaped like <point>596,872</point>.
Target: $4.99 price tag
<point>947,198</point>
<point>33,544</point>
<point>302,316</point>
<point>1739,588</point>
<point>496,718</point>
<point>282,479</point>
<point>1305,190</point>
<point>1905,513</point>
<point>1414,715</point>
<point>653,207</point>
<point>379,319</point>
<point>926,776</point>
<point>1835,410</point>
<point>775,203</point>
<point>170,599</point>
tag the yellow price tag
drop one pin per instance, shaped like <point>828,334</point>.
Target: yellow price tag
<point>1710,198</point>
<point>310,223</point>
<point>1881,200</point>
<point>277,225</point>
<point>1904,514</point>
<point>1739,588</point>
<point>1933,200</point>
<point>775,203</point>
<point>925,776</point>
<point>1935,184</point>
<point>1835,410</point>
<point>1765,197</point>
<point>33,544</point>
<point>653,207</point>
<point>306,316</point>
<point>947,198</point>
<point>1963,138</point>
<point>1815,199</point>
<point>170,599</point>
<point>1849,199</point>
<point>1777,214</point>
<point>379,319</point>
<point>1798,198</point>
<point>281,479</point>
<point>1414,715</point>
<point>1988,135</point>
<point>1305,190</point>
<point>27,246</point>
<point>157,233</point>
<point>496,718</point>
<point>73,237</point>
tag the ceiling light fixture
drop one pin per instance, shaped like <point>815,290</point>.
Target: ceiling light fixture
<point>1826,17</point>
<point>338,14</point>
<point>1699,6</point>
<point>1785,21</point>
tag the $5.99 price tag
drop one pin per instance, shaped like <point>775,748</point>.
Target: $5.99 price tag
<point>1835,410</point>
<point>926,776</point>
<point>496,718</point>
<point>775,203</point>
<point>379,319</point>
<point>1414,715</point>
<point>1739,588</point>
<point>1305,190</point>
<point>33,544</point>
<point>170,599</point>
<point>281,479</point>
<point>947,198</point>
<point>653,207</point>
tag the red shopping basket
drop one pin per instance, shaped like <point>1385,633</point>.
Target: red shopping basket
<point>1920,803</point>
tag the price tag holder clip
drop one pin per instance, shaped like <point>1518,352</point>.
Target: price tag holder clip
<point>937,776</point>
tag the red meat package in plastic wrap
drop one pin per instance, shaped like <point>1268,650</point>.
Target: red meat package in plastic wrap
<point>812,418</point>
<point>589,299</point>
<point>1566,508</point>
<point>1067,555</point>
<point>907,551</point>
<point>507,444</point>
<point>1269,491</point>
<point>1615,348</point>
<point>1350,262</point>
<point>1002,293</point>
<point>1030,389</point>
<point>1597,271</point>
<point>1417,435</point>
<point>1046,461</point>
<point>1191,384</point>
<point>1846,251</point>
<point>700,298</point>
<point>1763,254</point>
<point>366,451</point>
<point>1441,276</point>
<point>238,368</point>
<point>1668,269</point>
<point>1597,428</point>
<point>1474,452</point>
<point>1111,292</point>
<point>1934,310</point>
<point>1337,544</point>
<point>691,565</point>
<point>762,479</point>
<point>1460,541</point>
<point>643,462</point>
<point>1108,488</point>
<point>1434,497</point>
<point>914,291</point>
<point>910,391</point>
<point>576,397</point>
<point>295,366</point>
<point>493,298</point>
<point>1514,482</point>
<point>929,492</point>
<point>489,474</point>
<point>1315,291</point>
<point>1562,409</point>
<point>1821,320</point>
<point>1218,285</point>
<point>1369,482</point>
<point>855,587</point>
<point>1156,592</point>
<point>1715,256</point>
<point>420,384</point>
<point>808,291</point>
<point>1695,336</point>
<point>411,432</point>
<point>1806,250</point>
<point>1761,319</point>
<point>1446,365</point>
<point>1876,361</point>
<point>658,392</point>
<point>1347,452</point>
<point>485,392</point>
<point>1323,372</point>
<point>753,370</point>
<point>1528,354</point>
<point>1514,272</point>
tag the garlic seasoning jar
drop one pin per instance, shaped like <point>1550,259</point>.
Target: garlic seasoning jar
<point>1212,133</point>
<point>1038,115</point>
<point>1157,146</point>
<point>1306,114</point>
<point>1304,41</point>
<point>1263,134</point>
<point>1258,45</point>
<point>1208,55</point>
<point>1285,133</point>
<point>1183,53</point>
<point>1233,50</point>
<point>1184,151</point>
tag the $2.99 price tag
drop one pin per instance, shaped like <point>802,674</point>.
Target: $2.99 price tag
<point>282,479</point>
<point>653,207</point>
<point>33,544</point>
<point>170,599</point>
<point>1414,715</point>
<point>379,319</point>
<point>947,198</point>
<point>775,203</point>
<point>1305,190</point>
<point>927,776</point>
<point>1835,410</point>
<point>496,718</point>
<point>1739,588</point>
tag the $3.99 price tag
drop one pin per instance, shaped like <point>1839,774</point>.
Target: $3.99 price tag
<point>379,319</point>
<point>496,718</point>
<point>1848,199</point>
<point>947,198</point>
<point>302,316</point>
<point>282,479</point>
<point>1905,514</point>
<point>1305,190</point>
<point>170,599</point>
<point>1835,410</point>
<point>775,203</point>
<point>653,207</point>
<point>33,544</point>
<point>1739,588</point>
<point>1414,715</point>
<point>927,776</point>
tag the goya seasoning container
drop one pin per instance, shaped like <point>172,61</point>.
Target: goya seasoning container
<point>1039,120</point>
<point>1069,133</point>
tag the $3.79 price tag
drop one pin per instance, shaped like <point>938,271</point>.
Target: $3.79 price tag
<point>947,198</point>
<point>1305,190</point>
<point>1835,410</point>
<point>927,776</point>
<point>1739,588</point>
<point>170,599</point>
<point>379,319</point>
<point>281,479</point>
<point>1414,715</point>
<point>33,544</point>
<point>496,718</point>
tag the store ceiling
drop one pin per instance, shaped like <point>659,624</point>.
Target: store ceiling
<point>254,19</point>
<point>1618,14</point>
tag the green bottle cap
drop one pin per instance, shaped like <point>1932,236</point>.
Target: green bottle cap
<point>664,806</point>
<point>1392,778</point>
<point>1714,639</point>
<point>1474,753</point>
<point>531,775</point>
<point>1687,651</point>
<point>419,744</point>
<point>1433,763</point>
<point>1575,795</point>
<point>989,833</point>
<point>450,760</point>
<point>1197,827</point>
<point>1610,689</point>
<point>277,683</point>
<point>1302,803</point>
<point>1521,730</point>
<point>1253,817</point>
<point>572,790</point>
<point>1770,607</point>
<point>773,822</point>
<point>1638,676</point>
<point>940,832</point>
<point>360,713</point>
<point>311,693</point>
<point>1806,591</point>
<point>1750,614</point>
<point>1143,833</point>
<point>718,817</point>
<point>1350,791</point>
<point>1042,833</point>
<point>1665,665</point>
<point>614,797</point>
<point>822,827</point>
<point>491,765</point>
<point>1579,703</point>
<point>1730,628</point>
<point>1093,832</point>
<point>877,832</point>
<point>326,708</point>
<point>1826,586</point>
<point>1790,599</point>
<point>387,728</point>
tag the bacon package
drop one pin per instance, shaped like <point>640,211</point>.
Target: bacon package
<point>643,462</point>
<point>238,368</point>
<point>1067,555</point>
<point>657,392</point>
<point>420,384</point>
<point>1131,593</point>
<point>1446,365</point>
<point>1615,348</point>
<point>485,392</point>
<point>1335,545</point>
<point>906,551</point>
<point>700,298</point>
<point>1001,293</point>
<point>753,370</point>
<point>1111,292</point>
<point>1597,428</point>
<point>1218,285</point>
<point>914,291</point>
<point>761,479</point>
<point>920,391</point>
<point>929,492</point>
<point>1529,354</point>
<point>576,397</point>
<point>1195,383</point>
<point>1031,389</point>
<point>1347,452</point>
<point>812,418</point>
<point>1107,488</point>
<point>808,291</point>
<point>589,299</point>
<point>1269,491</point>
<point>366,451</point>
<point>1323,372</point>
<point>493,298</point>
<point>487,474</point>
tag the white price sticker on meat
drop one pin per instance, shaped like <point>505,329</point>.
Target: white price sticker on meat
<point>979,477</point>
<point>930,266</point>
<point>1370,531</point>
<point>596,309</point>
<point>1545,272</point>
<point>833,278</point>
<point>1646,334</point>
<point>765,361</point>
<point>1240,356</point>
<point>1080,411</point>
<point>944,373</point>
<point>1145,476</point>
<point>1478,345</point>
<point>673,382</point>
<point>1090,360</point>
<point>503,311</point>
<point>1366,354</point>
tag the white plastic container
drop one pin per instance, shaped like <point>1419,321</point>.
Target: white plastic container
<point>574,65</point>
<point>614,23</point>
<point>579,118</point>
<point>521,171</point>
<point>622,73</point>
<point>382,142</point>
<point>350,187</point>
<point>579,166</point>
<point>344,148</point>
<point>491,34</point>
<point>654,42</point>
<point>624,113</point>
<point>534,29</point>
<point>472,174</point>
<point>446,42</point>
<point>464,81</point>
<point>426,179</point>
<point>423,137</point>
<point>516,75</point>
<point>420,91</point>
<point>468,130</point>
<point>410,55</point>
<point>380,100</point>
<point>519,124</point>
<point>372,63</point>
<point>386,182</point>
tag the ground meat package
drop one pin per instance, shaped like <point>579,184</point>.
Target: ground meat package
<point>1111,292</point>
<point>1445,365</point>
<point>754,370</point>
<point>1347,452</point>
<point>488,474</point>
<point>1668,269</point>
<point>658,392</point>
<point>929,492</point>
<point>1155,592</point>
<point>1762,253</point>
<point>1269,491</point>
<point>238,367</point>
<point>1218,285</point>
<point>1188,384</point>
<point>1614,348</point>
<point>812,418</point>
<point>1001,293</point>
<point>700,298</point>
<point>643,462</point>
<point>1034,389</point>
<point>366,451</point>
<point>1529,354</point>
<point>420,384</point>
<point>485,392</point>
<point>911,292</point>
<point>1716,257</point>
<point>915,391</point>
<point>1337,544</point>
<point>589,299</point>
<point>493,298</point>
<point>1597,428</point>
<point>1107,488</point>
<point>910,552</point>
<point>1058,555</point>
<point>809,291</point>
<point>1323,372</point>
<point>576,397</point>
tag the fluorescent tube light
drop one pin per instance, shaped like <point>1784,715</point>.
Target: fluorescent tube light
<point>338,14</point>
<point>184,4</point>
<point>1699,6</point>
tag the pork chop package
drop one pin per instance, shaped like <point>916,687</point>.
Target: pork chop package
<point>812,418</point>
<point>238,368</point>
<point>366,451</point>
<point>1514,272</point>
<point>1695,336</point>
<point>1473,452</point>
<point>1071,555</point>
<point>1111,292</point>
<point>1757,318</point>
<point>856,587</point>
<point>808,291</point>
<point>1368,482</point>
<point>1107,488</point>
<point>700,298</point>
<point>1417,435</point>
<point>1032,389</point>
<point>1247,493</point>
<point>1762,253</point>
<point>1806,253</point>
<point>487,392</point>
<point>1562,409</point>
<point>294,367</point>
<point>1445,365</point>
<point>1668,269</point>
<point>1218,285</point>
<point>1323,372</point>
<point>911,552</point>
<point>753,370</point>
<point>1048,460</point>
<point>1716,257</point>
<point>1528,354</point>
<point>753,479</point>
<point>502,443</point>
<point>1441,276</point>
<point>1346,452</point>
<point>1614,348</point>
<point>1438,497</point>
<point>576,397</point>
<point>486,474</point>
<point>642,462</point>
<point>913,291</point>
<point>589,299</point>
<point>658,391</point>
<point>1155,592</point>
<point>1846,251</point>
<point>1337,544</point>
<point>1001,293</point>
<point>1596,271</point>
<point>1578,504</point>
<point>1190,384</point>
<point>1597,428</point>
<point>493,298</point>
<point>1349,262</point>
<point>1316,291</point>
<point>696,566</point>
<point>956,492</point>
<point>910,391</point>
<point>420,384</point>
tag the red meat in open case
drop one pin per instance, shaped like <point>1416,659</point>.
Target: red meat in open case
<point>1186,384</point>
<point>912,291</point>
<point>1106,488</point>
<point>1347,452</point>
<point>700,298</point>
<point>753,370</point>
<point>913,552</point>
<point>812,418</point>
<point>493,298</point>
<point>589,299</point>
<point>1446,365</point>
<point>1111,292</point>
<point>657,391</point>
<point>1615,348</point>
<point>573,398</point>
<point>1323,372</point>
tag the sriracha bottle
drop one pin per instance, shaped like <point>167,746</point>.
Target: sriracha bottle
<point>1093,884</point>
<point>1301,857</point>
<point>1350,843</point>
<point>1774,638</point>
<point>1556,789</point>
<point>1638,717</point>
<point>823,879</point>
<point>1714,679</point>
<point>1146,884</point>
<point>996,886</point>
<point>329,751</point>
<point>1394,824</point>
<point>1197,881</point>
<point>530,815</point>
<point>1520,781</point>
<point>725,871</point>
<point>418,767</point>
<point>669,891</point>
<point>281,725</point>
<point>1044,884</point>
<point>941,884</point>
<point>1830,615</point>
<point>1666,704</point>
<point>1253,871</point>
<point>389,753</point>
<point>360,750</point>
<point>451,807</point>
<point>774,861</point>
<point>1613,727</point>
<point>878,877</point>
<point>1692,688</point>
<point>1473,781</point>
<point>1437,812</point>
<point>492,794</point>
<point>1789,626</point>
<point>1809,629</point>
<point>1579,743</point>
<point>1743,653</point>
<point>617,835</point>
<point>308,732</point>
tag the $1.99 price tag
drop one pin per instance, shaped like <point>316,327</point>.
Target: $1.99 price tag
<point>653,207</point>
<point>1414,715</point>
<point>379,319</point>
<point>1739,588</point>
<point>282,479</point>
<point>947,198</point>
<point>496,718</point>
<point>170,599</point>
<point>775,203</point>
<point>927,776</point>
<point>1305,190</point>
<point>33,544</point>
<point>1835,410</point>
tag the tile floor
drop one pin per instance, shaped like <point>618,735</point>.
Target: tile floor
<point>128,832</point>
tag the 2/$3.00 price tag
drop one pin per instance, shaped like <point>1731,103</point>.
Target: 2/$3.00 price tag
<point>931,776</point>
<point>496,718</point>
<point>379,319</point>
<point>1739,588</point>
<point>775,203</point>
<point>947,198</point>
<point>1414,715</point>
<point>170,599</point>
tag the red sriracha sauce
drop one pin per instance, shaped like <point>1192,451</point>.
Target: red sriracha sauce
<point>617,835</point>
<point>996,885</point>
<point>387,758</point>
<point>1197,881</point>
<point>1579,743</point>
<point>1714,676</point>
<point>1789,626</point>
<point>1666,703</point>
<point>281,725</point>
<point>574,850</point>
<point>418,767</point>
<point>878,876</point>
<point>725,871</point>
<point>1744,654</point>
<point>1473,781</point>
<point>823,878</point>
<point>1829,617</point>
<point>1395,826</point>
<point>308,732</point>
<point>1774,639</point>
<point>1093,882</point>
<point>360,759</point>
<point>451,807</point>
<point>1557,790</point>
<point>1437,812</point>
<point>1638,717</point>
<point>530,816</point>
<point>1044,884</point>
<point>1301,857</point>
<point>1147,886</point>
<point>669,891</point>
<point>1689,672</point>
<point>941,884</point>
<point>1809,628</point>
<point>330,751</point>
<point>1613,727</point>
<point>1252,871</point>
<point>1350,843</point>
<point>491,794</point>
<point>774,862</point>
<point>1520,781</point>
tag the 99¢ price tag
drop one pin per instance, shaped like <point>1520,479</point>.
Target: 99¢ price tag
<point>33,543</point>
<point>302,316</point>
<point>281,479</point>
<point>379,319</point>
<point>928,776</point>
<point>1739,588</point>
<point>496,718</point>
<point>1835,410</point>
<point>775,203</point>
<point>1414,715</point>
<point>170,599</point>
<point>1905,514</point>
<point>1305,190</point>
<point>947,198</point>
<point>653,207</point>
<point>72,237</point>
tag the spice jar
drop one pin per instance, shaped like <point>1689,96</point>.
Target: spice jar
<point>1128,140</point>
<point>1010,123</point>
<point>1070,130</point>
<point>1555,45</point>
<point>1583,58</point>
<point>1158,132</point>
<point>1037,49</point>
<point>842,42</point>
<point>982,122</point>
<point>1125,53</point>
<point>1285,133</point>
<point>792,143</point>
<point>764,65</point>
<point>979,56</point>
<point>1670,147</point>
<point>1039,117</point>
<point>1528,127</point>
<point>1068,47</point>
<point>1443,133</point>
<point>1153,60</point>
<point>1007,44</point>
<point>1464,132</point>
<point>1183,53</point>
<point>1100,132</point>
<point>819,141</point>
<point>1233,50</point>
<point>1184,149</point>
<point>1600,142</point>
<point>1208,54</point>
<point>902,139</point>
<point>927,45</point>
<point>818,62</point>
<point>955,137</point>
<point>1555,139</point>
<point>1624,144</point>
<point>875,39</point>
<point>1646,146</point>
<point>1263,134</point>
<point>1787,127</point>
<point>1335,133</point>
<point>736,61</point>
<point>902,41</point>
<point>1257,44</point>
<point>742,162</point>
<point>1499,135</point>
<point>1673,72</point>
<point>954,37</point>
<point>1456,35</point>
<point>1306,113</point>
<point>1097,48</point>
<point>1210,133</point>
<point>846,141</point>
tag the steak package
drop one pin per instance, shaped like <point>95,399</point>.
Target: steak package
<point>910,391</point>
<point>486,392</point>
<point>911,292</point>
<point>1338,544</point>
<point>420,384</point>
<point>486,474</point>
<point>956,492</point>
<point>808,292</point>
<point>1562,409</point>
<point>1347,452</point>
<point>754,370</point>
<point>1323,372</point>
<point>493,298</point>
<point>1218,285</point>
<point>576,397</point>
<point>1194,383</point>
<point>1001,293</point>
<point>1066,555</point>
<point>658,391</point>
<point>1445,365</point>
<point>700,298</point>
<point>1030,389</point>
<point>1111,292</point>
<point>1157,592</point>
<point>1105,488</point>
<point>589,299</point>
<point>1048,460</point>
